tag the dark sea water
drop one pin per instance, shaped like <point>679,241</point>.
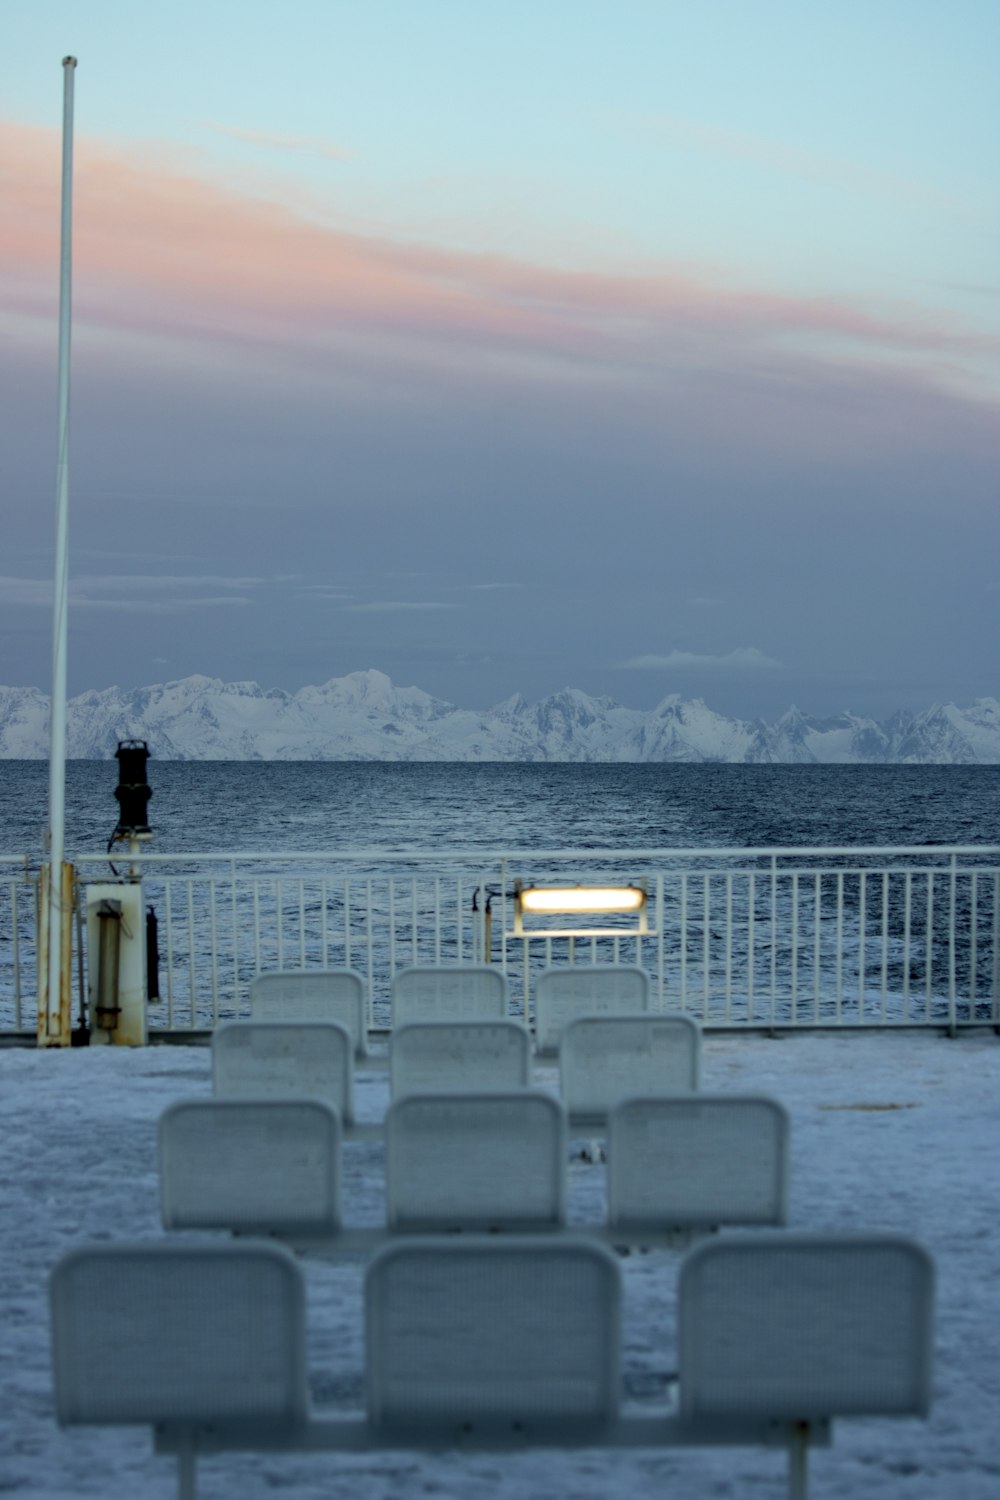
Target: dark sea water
<point>332,805</point>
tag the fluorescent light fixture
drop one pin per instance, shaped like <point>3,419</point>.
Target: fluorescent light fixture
<point>547,899</point>
<point>575,901</point>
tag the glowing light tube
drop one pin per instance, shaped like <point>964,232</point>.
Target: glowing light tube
<point>581,898</point>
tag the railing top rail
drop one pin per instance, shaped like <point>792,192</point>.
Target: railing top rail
<point>513,856</point>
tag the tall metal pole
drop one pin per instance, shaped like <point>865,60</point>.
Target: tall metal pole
<point>56,992</point>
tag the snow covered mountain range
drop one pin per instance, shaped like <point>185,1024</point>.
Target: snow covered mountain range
<point>364,716</point>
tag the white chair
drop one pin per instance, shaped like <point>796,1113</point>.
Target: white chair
<point>465,1057</point>
<point>475,1161</point>
<point>449,992</point>
<point>255,1166</point>
<point>285,1060</point>
<point>313,995</point>
<point>794,1330</point>
<point>562,994</point>
<point>478,1339</point>
<point>184,1338</point>
<point>691,1163</point>
<point>605,1059</point>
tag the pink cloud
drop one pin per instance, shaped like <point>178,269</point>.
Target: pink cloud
<point>161,251</point>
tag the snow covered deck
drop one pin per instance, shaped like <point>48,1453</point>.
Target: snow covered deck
<point>889,1131</point>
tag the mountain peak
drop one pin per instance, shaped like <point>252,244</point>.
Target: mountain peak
<point>365,716</point>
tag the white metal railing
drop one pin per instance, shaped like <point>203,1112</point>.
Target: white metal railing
<point>18,931</point>
<point>754,938</point>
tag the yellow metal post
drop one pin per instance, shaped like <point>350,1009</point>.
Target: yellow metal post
<point>55,1023</point>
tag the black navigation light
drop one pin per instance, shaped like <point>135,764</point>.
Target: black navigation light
<point>133,792</point>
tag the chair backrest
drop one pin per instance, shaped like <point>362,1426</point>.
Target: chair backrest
<point>605,1059</point>
<point>563,994</point>
<point>267,1166</point>
<point>285,1060</point>
<point>449,992</point>
<point>313,995</point>
<point>180,1335</point>
<point>462,1057</point>
<point>475,1161</point>
<point>799,1327</point>
<point>697,1161</point>
<point>484,1335</point>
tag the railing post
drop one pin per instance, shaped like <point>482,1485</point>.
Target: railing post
<point>862,944</point>
<point>839,990</point>
<point>661,940</point>
<point>885,945</point>
<point>729,946</point>
<point>751,940</point>
<point>907,923</point>
<point>55,961</point>
<point>929,947</point>
<point>973,942</point>
<point>817,944</point>
<point>504,876</point>
<point>774,937</point>
<point>794,951</point>
<point>952,883</point>
<point>706,945</point>
<point>235,939</point>
<point>684,939</point>
<point>192,975</point>
<point>16,953</point>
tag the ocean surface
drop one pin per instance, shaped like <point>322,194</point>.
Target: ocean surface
<point>337,805</point>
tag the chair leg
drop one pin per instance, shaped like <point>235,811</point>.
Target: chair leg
<point>798,1462</point>
<point>187,1483</point>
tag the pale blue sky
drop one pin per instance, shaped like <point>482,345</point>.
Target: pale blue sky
<point>395,304</point>
<point>863,133</point>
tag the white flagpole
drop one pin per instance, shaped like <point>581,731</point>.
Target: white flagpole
<point>56,992</point>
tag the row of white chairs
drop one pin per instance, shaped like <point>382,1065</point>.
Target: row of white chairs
<point>499,1340</point>
<point>495,1344</point>
<point>602,1060</point>
<point>453,992</point>
<point>677,1166</point>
